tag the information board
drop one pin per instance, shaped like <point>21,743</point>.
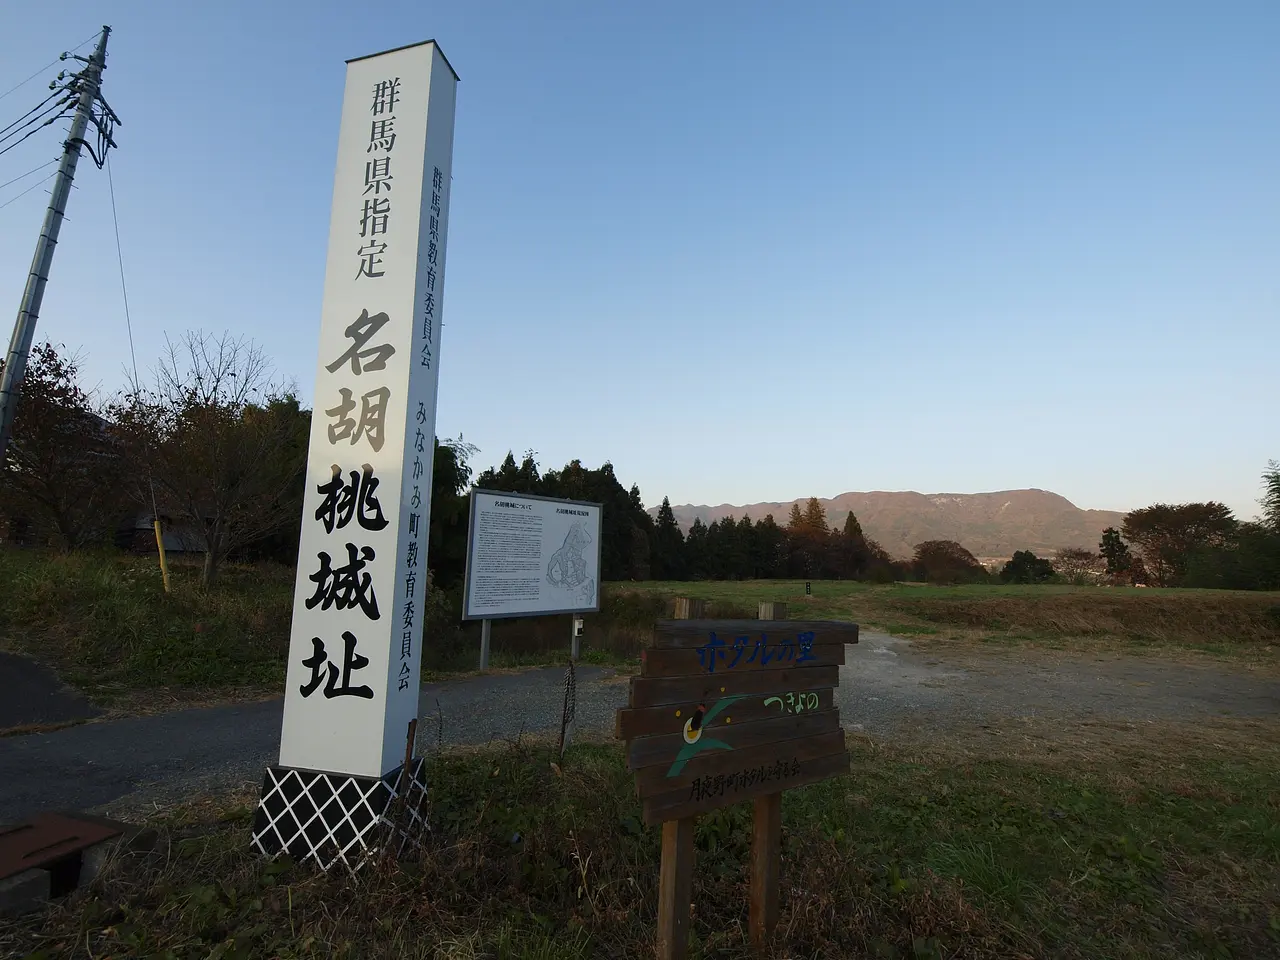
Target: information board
<point>530,556</point>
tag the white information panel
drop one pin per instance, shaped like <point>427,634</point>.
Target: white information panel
<point>529,556</point>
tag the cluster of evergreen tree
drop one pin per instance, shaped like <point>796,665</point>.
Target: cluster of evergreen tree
<point>639,547</point>
<point>628,531</point>
<point>740,549</point>
<point>1185,545</point>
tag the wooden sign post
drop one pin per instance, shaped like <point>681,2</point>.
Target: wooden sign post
<point>723,711</point>
<point>766,841</point>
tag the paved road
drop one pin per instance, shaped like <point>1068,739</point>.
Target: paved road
<point>124,766</point>
<point>33,695</point>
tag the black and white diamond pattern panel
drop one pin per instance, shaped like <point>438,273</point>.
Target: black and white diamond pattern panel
<point>334,818</point>
<point>408,817</point>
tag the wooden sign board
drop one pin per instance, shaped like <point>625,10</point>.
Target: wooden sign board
<point>728,710</point>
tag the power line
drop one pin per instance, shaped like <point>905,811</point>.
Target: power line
<point>29,189</point>
<point>133,357</point>
<point>61,113</point>
<point>28,173</point>
<point>52,63</point>
<point>18,122</point>
<point>128,322</point>
<point>31,130</point>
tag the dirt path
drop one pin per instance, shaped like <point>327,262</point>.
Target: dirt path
<point>890,680</point>
<point>126,767</point>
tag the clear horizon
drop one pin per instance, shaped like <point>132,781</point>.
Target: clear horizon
<point>746,254</point>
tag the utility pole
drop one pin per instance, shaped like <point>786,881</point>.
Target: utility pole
<point>24,329</point>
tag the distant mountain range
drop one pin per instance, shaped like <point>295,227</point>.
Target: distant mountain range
<point>991,526</point>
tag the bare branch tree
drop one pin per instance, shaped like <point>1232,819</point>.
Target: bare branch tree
<point>223,442</point>
<point>1080,566</point>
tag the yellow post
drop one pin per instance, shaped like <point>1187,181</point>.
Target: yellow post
<point>164,567</point>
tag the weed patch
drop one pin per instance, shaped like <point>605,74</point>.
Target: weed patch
<point>975,846</point>
<point>106,625</point>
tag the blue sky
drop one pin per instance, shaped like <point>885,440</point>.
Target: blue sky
<point>745,251</point>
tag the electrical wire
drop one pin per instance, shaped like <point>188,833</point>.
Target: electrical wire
<point>62,106</point>
<point>133,358</point>
<point>34,130</point>
<point>28,190</point>
<point>53,63</point>
<point>18,122</point>
<point>27,174</point>
<point>124,292</point>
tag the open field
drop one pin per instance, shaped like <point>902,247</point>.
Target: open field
<point>1216,622</point>
<point>105,624</point>
<point>1079,840</point>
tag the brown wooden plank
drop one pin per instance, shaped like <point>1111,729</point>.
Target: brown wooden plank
<point>665,749</point>
<point>733,658</point>
<point>675,889</point>
<point>688,608</point>
<point>679,634</point>
<point>771,610</point>
<point>731,789</point>
<point>670,718</point>
<point>656,691</point>
<point>766,865</point>
<point>653,781</point>
<point>48,837</point>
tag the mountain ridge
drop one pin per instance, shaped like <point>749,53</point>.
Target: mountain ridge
<point>991,525</point>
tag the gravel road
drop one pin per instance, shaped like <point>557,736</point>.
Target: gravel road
<point>124,767</point>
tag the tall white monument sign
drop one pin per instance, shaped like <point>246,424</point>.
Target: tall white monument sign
<point>356,641</point>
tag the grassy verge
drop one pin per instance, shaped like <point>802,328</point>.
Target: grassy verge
<point>104,622</point>
<point>1016,841</point>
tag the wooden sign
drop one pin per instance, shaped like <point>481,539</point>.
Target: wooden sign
<point>724,711</point>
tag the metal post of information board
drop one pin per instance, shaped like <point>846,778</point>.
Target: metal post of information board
<point>575,643</point>
<point>485,635</point>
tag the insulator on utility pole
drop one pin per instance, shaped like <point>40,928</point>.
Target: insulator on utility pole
<point>24,329</point>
